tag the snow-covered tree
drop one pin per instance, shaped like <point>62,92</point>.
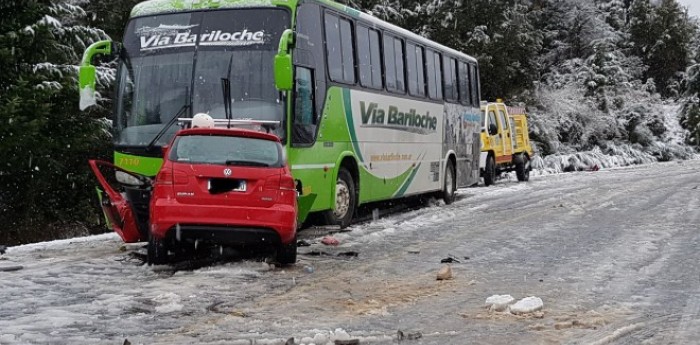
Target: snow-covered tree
<point>44,141</point>
<point>661,36</point>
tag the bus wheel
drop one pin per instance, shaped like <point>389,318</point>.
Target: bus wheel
<point>157,252</point>
<point>450,187</point>
<point>345,200</point>
<point>490,171</point>
<point>522,169</point>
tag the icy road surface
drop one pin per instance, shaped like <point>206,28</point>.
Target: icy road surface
<point>613,254</point>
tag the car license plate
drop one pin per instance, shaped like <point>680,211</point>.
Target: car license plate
<point>241,187</point>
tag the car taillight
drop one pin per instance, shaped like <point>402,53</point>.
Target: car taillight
<point>272,182</point>
<point>170,177</point>
<point>287,183</point>
<point>280,182</point>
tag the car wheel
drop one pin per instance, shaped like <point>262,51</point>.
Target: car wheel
<point>490,171</point>
<point>450,187</point>
<point>345,200</point>
<point>287,253</point>
<point>157,251</point>
<point>522,169</point>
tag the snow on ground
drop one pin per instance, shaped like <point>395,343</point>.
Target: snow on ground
<point>90,291</point>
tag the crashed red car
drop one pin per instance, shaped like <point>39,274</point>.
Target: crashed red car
<point>227,187</point>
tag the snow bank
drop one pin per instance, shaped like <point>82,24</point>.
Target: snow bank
<point>26,248</point>
<point>614,155</point>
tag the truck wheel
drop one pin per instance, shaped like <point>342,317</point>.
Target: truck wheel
<point>490,171</point>
<point>450,187</point>
<point>157,252</point>
<point>345,200</point>
<point>522,169</point>
<point>287,253</point>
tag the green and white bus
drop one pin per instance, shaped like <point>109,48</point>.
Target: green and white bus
<point>367,111</point>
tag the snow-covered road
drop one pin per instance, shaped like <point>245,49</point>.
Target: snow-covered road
<point>613,254</point>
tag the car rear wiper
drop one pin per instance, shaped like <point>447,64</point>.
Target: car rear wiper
<point>167,126</point>
<point>246,163</point>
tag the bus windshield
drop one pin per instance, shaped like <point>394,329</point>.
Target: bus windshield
<point>178,60</point>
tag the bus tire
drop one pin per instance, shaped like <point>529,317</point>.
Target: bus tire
<point>490,171</point>
<point>522,169</point>
<point>345,200</point>
<point>450,187</point>
<point>157,252</point>
<point>287,253</point>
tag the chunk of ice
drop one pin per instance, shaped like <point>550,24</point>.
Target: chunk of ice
<point>527,305</point>
<point>499,302</point>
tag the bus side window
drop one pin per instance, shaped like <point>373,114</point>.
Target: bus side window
<point>304,121</point>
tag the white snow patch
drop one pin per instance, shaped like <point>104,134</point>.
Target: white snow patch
<point>168,303</point>
<point>87,97</point>
<point>499,302</point>
<point>57,244</point>
<point>527,305</point>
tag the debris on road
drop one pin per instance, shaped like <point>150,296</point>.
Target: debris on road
<point>330,241</point>
<point>527,305</point>
<point>347,342</point>
<point>289,341</point>
<point>413,251</point>
<point>445,273</point>
<point>3,249</point>
<point>401,335</point>
<point>10,268</point>
<point>316,253</point>
<point>499,302</point>
<point>349,254</point>
<point>309,269</point>
<point>450,259</point>
<point>302,243</point>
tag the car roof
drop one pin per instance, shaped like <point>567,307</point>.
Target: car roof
<point>229,132</point>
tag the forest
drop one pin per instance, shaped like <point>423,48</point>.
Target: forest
<point>605,82</point>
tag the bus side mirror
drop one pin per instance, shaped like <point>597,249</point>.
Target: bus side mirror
<point>493,130</point>
<point>88,74</point>
<point>284,78</point>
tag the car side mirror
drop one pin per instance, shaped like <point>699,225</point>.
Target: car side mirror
<point>284,78</point>
<point>493,130</point>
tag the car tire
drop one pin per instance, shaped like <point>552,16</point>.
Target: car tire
<point>345,201</point>
<point>490,171</point>
<point>522,169</point>
<point>287,253</point>
<point>157,251</point>
<point>449,188</point>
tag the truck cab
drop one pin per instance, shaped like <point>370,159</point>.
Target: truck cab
<point>505,143</point>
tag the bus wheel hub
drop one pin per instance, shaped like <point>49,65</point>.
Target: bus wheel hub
<point>342,199</point>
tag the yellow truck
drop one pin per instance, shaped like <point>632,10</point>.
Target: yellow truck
<point>505,144</point>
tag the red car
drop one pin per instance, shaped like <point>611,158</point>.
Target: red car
<point>227,187</point>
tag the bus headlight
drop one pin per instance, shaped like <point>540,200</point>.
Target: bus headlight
<point>128,179</point>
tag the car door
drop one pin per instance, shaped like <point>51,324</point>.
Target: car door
<point>116,207</point>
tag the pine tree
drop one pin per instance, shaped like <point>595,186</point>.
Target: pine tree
<point>45,140</point>
<point>661,37</point>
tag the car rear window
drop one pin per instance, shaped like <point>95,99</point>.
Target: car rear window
<point>226,150</point>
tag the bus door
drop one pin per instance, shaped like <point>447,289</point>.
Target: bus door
<point>505,134</point>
